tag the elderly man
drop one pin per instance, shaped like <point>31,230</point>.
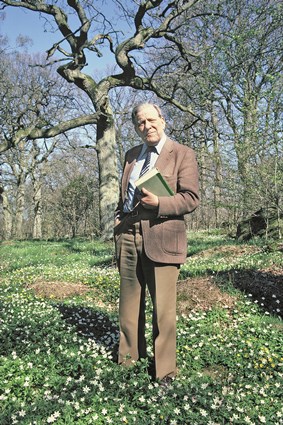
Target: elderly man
<point>150,239</point>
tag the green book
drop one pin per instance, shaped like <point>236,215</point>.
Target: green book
<point>154,182</point>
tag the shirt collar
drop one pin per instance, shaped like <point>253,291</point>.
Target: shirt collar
<point>161,143</point>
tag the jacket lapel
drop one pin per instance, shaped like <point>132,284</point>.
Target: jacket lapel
<point>132,157</point>
<point>165,155</point>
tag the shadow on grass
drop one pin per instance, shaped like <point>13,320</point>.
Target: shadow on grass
<point>92,324</point>
<point>265,288</point>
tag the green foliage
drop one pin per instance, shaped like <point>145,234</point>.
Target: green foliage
<point>76,198</point>
<point>56,358</point>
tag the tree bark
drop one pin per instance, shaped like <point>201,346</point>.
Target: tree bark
<point>217,164</point>
<point>37,200</point>
<point>20,206</point>
<point>108,176</point>
<point>8,217</point>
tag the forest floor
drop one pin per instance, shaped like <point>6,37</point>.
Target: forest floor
<point>264,286</point>
<point>59,348</point>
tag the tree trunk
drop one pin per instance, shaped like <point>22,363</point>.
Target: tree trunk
<point>203,211</point>
<point>246,150</point>
<point>108,173</point>
<point>218,165</point>
<point>20,206</point>
<point>8,218</point>
<point>37,199</point>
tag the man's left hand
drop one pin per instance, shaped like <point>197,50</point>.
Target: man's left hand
<point>149,200</point>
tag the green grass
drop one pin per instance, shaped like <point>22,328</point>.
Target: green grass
<point>222,257</point>
<point>25,253</point>
<point>203,240</point>
<point>56,356</point>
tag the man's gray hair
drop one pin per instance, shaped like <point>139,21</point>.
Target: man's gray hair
<point>141,106</point>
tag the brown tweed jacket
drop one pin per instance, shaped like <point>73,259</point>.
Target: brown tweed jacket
<point>164,231</point>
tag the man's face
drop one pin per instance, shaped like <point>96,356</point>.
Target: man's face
<point>149,125</point>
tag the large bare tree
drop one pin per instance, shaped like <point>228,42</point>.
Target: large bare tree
<point>152,23</point>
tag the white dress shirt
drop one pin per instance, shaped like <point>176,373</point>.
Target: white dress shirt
<point>128,204</point>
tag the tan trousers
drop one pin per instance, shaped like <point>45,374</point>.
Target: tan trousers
<point>136,272</point>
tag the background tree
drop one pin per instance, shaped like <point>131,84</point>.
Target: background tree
<point>31,98</point>
<point>231,86</point>
<point>63,194</point>
<point>250,61</point>
<point>76,203</point>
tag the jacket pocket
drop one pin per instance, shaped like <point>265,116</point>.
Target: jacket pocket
<point>174,240</point>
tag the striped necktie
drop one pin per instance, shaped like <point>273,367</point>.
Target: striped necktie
<point>145,169</point>
<point>146,165</point>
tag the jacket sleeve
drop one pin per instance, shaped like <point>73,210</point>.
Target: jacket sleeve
<point>184,180</point>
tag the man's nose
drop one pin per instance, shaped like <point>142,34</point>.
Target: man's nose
<point>147,124</point>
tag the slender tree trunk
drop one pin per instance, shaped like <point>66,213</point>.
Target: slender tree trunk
<point>20,206</point>
<point>218,165</point>
<point>202,180</point>
<point>246,150</point>
<point>277,200</point>
<point>37,199</point>
<point>8,217</point>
